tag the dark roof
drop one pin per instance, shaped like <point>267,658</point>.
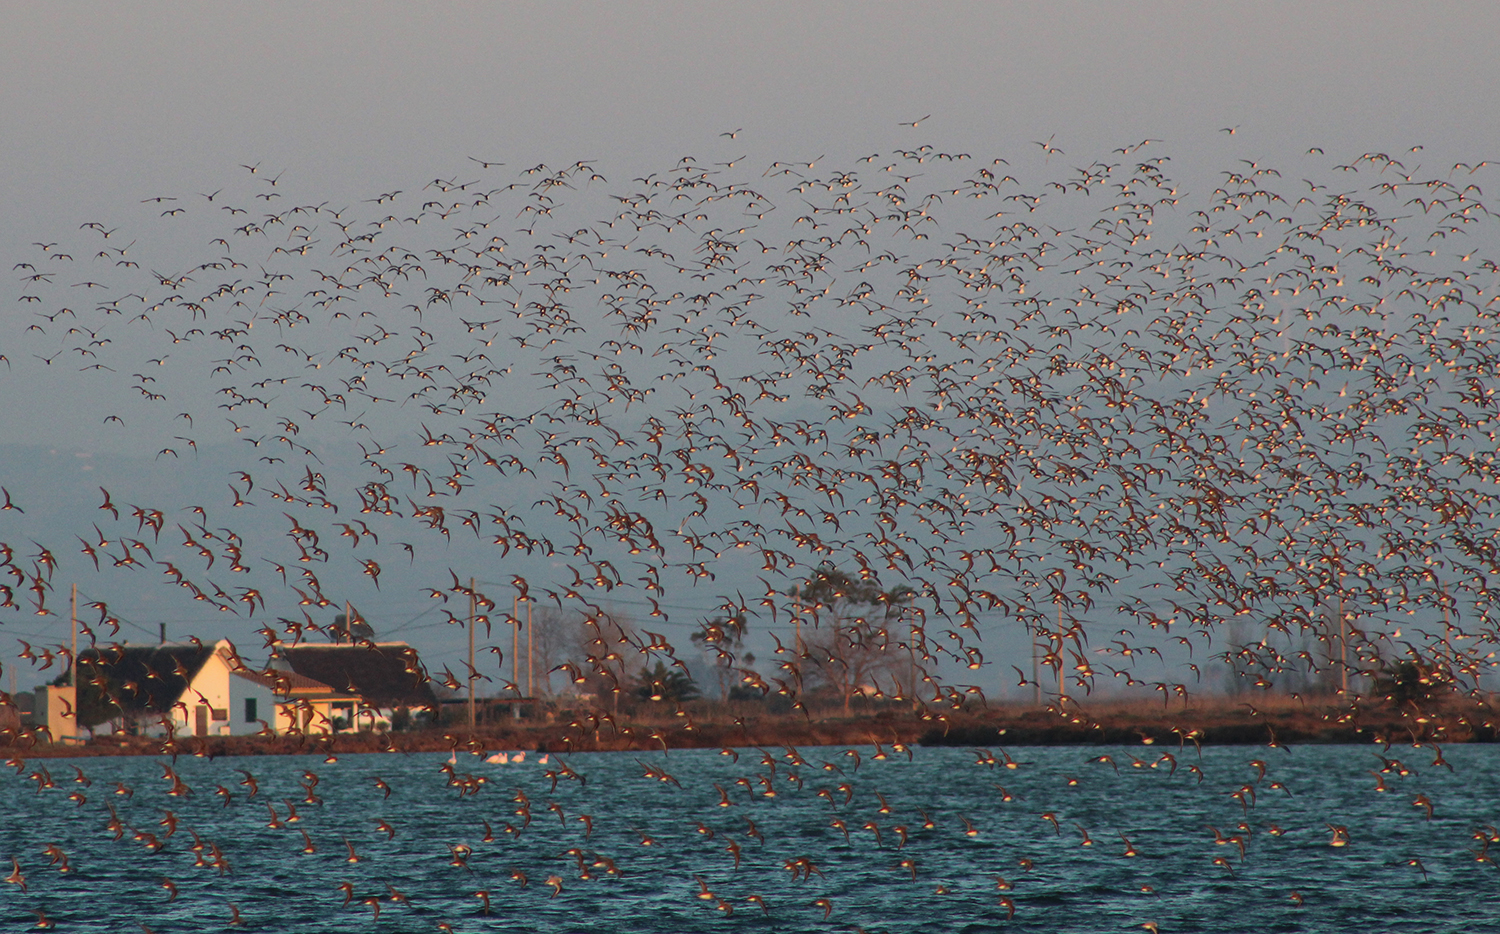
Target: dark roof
<point>144,677</point>
<point>384,674</point>
<point>288,682</point>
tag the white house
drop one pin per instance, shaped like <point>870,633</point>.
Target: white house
<point>223,698</point>
<point>203,690</point>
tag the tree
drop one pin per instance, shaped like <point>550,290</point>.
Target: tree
<point>1409,681</point>
<point>94,701</point>
<point>596,654</point>
<point>848,642</point>
<point>725,637</point>
<point>666,684</point>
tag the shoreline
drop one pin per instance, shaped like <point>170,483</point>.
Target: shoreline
<point>1275,723</point>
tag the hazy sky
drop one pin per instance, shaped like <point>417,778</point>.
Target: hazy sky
<point>102,106</point>
<point>101,103</point>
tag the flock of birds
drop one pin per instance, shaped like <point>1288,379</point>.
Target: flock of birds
<point>763,835</point>
<point>810,838</point>
<point>1252,417</point>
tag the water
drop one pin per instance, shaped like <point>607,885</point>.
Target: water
<point>116,885</point>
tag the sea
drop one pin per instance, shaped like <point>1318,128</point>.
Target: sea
<point>864,838</point>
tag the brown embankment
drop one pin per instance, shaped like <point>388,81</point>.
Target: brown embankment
<point>1212,721</point>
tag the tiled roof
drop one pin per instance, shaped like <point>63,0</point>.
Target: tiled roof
<point>298,684</point>
<point>385,674</point>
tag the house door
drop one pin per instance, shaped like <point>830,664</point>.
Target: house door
<point>200,728</point>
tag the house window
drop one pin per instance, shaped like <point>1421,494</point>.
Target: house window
<point>251,715</point>
<point>220,714</point>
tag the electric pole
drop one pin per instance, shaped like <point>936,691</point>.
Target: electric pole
<point>471,654</point>
<point>1036,675</point>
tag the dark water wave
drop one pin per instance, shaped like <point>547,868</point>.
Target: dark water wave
<point>430,871</point>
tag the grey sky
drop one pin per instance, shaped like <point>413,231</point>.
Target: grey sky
<point>101,107</point>
<point>99,102</point>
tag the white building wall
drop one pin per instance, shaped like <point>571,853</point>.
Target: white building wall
<point>252,706</point>
<point>205,707</point>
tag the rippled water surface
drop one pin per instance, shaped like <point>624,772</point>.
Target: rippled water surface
<point>970,828</point>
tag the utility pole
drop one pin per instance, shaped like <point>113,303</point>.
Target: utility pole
<point>1338,582</point>
<point>1343,644</point>
<point>471,654</point>
<point>73,667</point>
<point>530,655</point>
<point>515,648</point>
<point>73,672</point>
<point>1036,675</point>
<point>515,659</point>
<point>1059,657</point>
<point>911,658</point>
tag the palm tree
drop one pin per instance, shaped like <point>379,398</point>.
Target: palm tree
<point>666,684</point>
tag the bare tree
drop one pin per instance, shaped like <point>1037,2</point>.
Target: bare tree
<point>848,641</point>
<point>724,637</point>
<point>595,653</point>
